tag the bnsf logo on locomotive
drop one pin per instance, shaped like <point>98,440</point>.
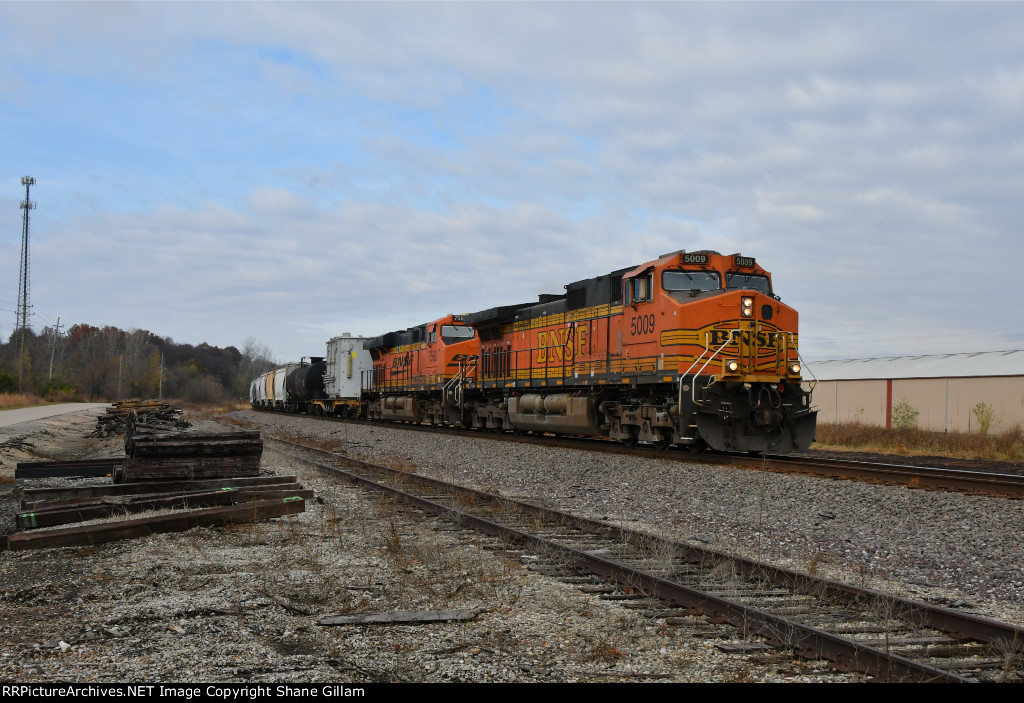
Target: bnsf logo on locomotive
<point>763,339</point>
<point>557,345</point>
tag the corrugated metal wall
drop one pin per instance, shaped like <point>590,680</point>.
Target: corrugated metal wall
<point>942,404</point>
<point>851,401</point>
<point>927,396</point>
<point>1005,395</point>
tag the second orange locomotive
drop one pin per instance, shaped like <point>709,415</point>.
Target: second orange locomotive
<point>691,349</point>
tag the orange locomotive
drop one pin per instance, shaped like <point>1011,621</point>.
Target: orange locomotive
<point>693,349</point>
<point>419,374</point>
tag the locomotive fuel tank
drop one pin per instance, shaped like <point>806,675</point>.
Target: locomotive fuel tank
<point>560,413</point>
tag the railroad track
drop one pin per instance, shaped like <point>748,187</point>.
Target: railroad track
<point>987,482</point>
<point>857,629</point>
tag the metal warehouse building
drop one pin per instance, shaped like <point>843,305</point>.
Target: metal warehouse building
<point>944,389</point>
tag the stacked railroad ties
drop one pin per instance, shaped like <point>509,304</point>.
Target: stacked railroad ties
<point>148,412</point>
<point>214,477</point>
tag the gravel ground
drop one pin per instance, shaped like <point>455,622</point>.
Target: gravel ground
<point>206,605</point>
<point>953,549</point>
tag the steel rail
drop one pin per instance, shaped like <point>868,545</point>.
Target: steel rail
<point>813,642</point>
<point>985,482</point>
<point>1008,485</point>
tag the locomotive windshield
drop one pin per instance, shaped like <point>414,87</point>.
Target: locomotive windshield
<point>451,334</point>
<point>691,280</point>
<point>734,280</point>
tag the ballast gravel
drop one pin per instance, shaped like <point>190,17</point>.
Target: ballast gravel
<point>960,550</point>
<point>242,603</point>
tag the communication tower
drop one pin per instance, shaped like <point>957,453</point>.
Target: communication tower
<point>23,281</point>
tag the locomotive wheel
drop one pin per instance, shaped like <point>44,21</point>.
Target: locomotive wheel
<point>629,441</point>
<point>662,443</point>
<point>697,447</point>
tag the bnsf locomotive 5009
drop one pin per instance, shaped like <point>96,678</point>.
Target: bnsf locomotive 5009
<point>692,349</point>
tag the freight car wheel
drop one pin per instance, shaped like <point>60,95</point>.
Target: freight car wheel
<point>629,441</point>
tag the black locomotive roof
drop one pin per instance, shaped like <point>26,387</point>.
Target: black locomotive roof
<point>590,292</point>
<point>380,341</point>
<point>493,316</point>
<point>399,338</point>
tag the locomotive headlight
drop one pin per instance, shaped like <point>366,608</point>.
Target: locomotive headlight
<point>794,369</point>
<point>747,307</point>
<point>732,366</point>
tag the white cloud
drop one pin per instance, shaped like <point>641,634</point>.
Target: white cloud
<point>300,167</point>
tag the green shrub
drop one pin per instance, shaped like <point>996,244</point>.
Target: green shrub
<point>55,390</point>
<point>904,416</point>
<point>985,414</point>
<point>8,383</point>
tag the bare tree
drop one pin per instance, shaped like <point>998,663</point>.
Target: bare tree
<point>256,358</point>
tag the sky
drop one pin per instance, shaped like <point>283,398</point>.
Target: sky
<point>289,171</point>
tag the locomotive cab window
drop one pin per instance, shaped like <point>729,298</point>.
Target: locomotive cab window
<point>735,280</point>
<point>691,280</point>
<point>642,288</point>
<point>451,334</point>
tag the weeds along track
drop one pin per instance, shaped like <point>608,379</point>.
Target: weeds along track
<point>989,482</point>
<point>857,629</point>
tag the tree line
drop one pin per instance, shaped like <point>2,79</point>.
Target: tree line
<point>107,363</point>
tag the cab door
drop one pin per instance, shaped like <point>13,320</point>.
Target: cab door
<point>434,356</point>
<point>638,323</point>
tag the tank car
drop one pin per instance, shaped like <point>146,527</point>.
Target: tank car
<point>304,384</point>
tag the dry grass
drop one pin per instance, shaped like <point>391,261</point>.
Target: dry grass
<point>9,401</point>
<point>208,410</point>
<point>1008,446</point>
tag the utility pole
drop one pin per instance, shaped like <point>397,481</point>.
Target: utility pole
<point>23,279</point>
<point>161,396</point>
<point>53,345</point>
